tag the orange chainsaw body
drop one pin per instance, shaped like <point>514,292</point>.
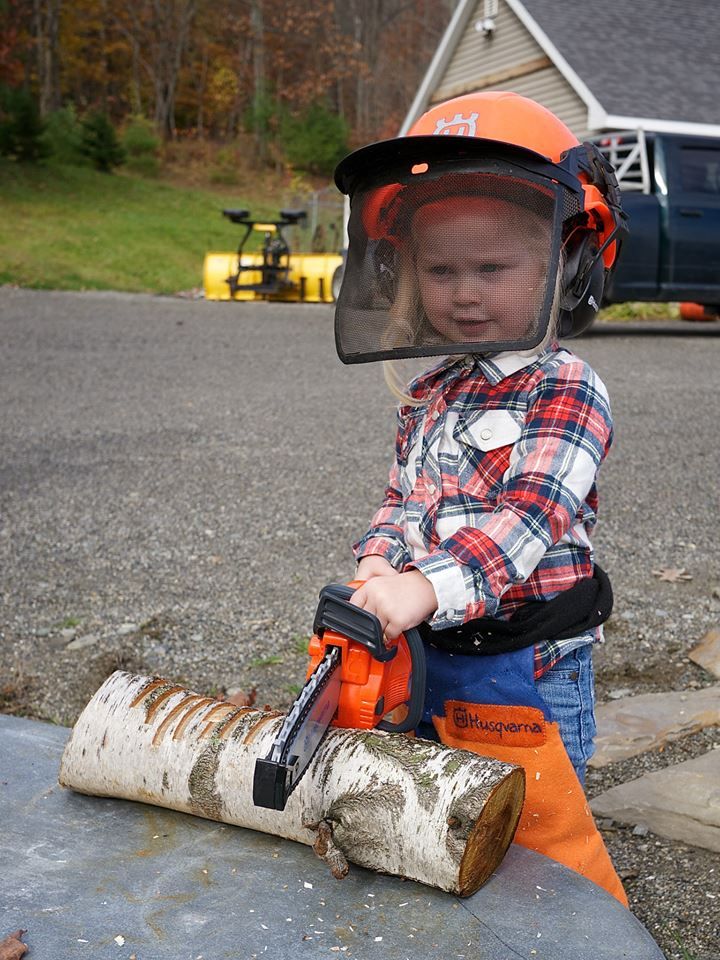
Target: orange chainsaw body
<point>369,688</point>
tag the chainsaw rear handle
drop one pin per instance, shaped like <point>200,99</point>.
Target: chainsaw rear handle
<point>336,613</point>
<point>416,703</point>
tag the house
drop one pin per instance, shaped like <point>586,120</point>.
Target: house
<point>599,65</point>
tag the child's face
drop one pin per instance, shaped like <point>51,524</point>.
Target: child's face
<point>481,266</point>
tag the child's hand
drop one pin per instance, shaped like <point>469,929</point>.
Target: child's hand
<point>399,602</point>
<point>374,566</point>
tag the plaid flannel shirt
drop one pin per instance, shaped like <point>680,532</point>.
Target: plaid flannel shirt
<point>492,495</point>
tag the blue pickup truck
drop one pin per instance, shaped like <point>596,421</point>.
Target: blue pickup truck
<point>671,192</point>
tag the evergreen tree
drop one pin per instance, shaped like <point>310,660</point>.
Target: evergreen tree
<point>100,143</point>
<point>315,140</point>
<point>21,129</point>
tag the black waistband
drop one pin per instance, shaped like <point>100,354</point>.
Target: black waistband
<point>583,606</point>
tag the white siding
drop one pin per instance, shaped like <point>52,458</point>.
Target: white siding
<point>477,55</point>
<point>512,47</point>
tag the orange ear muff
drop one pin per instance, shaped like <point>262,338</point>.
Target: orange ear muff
<point>601,215</point>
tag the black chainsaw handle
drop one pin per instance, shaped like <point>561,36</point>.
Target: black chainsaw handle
<point>416,703</point>
<point>336,613</point>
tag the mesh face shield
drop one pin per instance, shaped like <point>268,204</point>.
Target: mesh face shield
<point>452,259</point>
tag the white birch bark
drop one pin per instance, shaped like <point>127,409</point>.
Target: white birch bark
<point>393,804</point>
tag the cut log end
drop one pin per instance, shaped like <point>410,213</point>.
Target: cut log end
<point>493,833</point>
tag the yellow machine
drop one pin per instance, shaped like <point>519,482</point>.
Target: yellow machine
<point>273,273</point>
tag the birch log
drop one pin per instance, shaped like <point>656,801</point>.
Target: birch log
<point>390,803</point>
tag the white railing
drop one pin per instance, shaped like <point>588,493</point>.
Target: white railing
<point>627,152</point>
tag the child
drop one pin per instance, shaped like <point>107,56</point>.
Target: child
<point>482,245</point>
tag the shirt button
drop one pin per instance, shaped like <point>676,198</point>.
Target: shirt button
<point>432,488</point>
<point>435,414</point>
<point>485,434</point>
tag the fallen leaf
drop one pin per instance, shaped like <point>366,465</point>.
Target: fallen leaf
<point>238,698</point>
<point>672,574</point>
<point>241,699</point>
<point>11,947</point>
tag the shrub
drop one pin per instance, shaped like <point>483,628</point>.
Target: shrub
<point>142,147</point>
<point>100,143</point>
<point>225,169</point>
<point>259,117</point>
<point>314,141</point>
<point>21,128</point>
<point>64,136</point>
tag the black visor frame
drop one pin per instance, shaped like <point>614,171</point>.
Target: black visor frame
<point>523,166</point>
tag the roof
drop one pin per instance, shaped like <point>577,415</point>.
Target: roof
<point>645,59</point>
<point>653,64</point>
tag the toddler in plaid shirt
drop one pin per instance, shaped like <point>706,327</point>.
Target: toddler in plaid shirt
<point>480,238</point>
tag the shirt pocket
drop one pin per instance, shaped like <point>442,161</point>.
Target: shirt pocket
<point>485,444</point>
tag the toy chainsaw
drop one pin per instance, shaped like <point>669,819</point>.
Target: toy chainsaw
<point>354,680</point>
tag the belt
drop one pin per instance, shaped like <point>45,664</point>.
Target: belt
<point>585,605</point>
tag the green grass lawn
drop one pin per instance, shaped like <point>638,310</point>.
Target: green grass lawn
<point>73,228</point>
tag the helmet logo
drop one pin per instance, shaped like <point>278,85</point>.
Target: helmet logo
<point>459,126</point>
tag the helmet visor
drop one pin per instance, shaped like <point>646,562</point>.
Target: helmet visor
<point>450,262</point>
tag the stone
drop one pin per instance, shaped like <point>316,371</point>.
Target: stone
<point>707,653</point>
<point>681,802</point>
<point>81,642</point>
<point>636,724</point>
<point>125,628</point>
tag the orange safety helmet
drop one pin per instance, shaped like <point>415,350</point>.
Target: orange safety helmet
<point>503,124</point>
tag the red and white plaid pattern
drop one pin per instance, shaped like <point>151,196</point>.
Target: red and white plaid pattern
<point>492,494</point>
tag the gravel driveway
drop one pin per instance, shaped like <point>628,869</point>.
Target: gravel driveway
<point>179,479</point>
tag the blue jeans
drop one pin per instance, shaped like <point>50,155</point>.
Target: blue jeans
<point>568,688</point>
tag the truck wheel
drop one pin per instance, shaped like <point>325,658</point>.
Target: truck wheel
<point>699,311</point>
<point>336,282</point>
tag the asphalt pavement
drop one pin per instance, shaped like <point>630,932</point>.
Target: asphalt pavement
<point>199,470</point>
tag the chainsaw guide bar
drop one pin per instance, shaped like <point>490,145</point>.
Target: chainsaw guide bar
<point>302,730</point>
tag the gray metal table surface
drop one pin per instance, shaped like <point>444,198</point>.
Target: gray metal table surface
<point>98,878</point>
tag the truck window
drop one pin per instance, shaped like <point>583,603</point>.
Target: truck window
<point>700,170</point>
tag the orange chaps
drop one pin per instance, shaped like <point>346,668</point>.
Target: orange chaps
<point>490,705</point>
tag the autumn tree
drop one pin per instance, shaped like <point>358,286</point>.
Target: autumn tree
<point>15,41</point>
<point>158,32</point>
<point>218,68</point>
<point>46,22</point>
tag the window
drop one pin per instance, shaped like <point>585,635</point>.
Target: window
<point>700,169</point>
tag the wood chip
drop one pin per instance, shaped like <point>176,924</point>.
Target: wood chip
<point>672,574</point>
